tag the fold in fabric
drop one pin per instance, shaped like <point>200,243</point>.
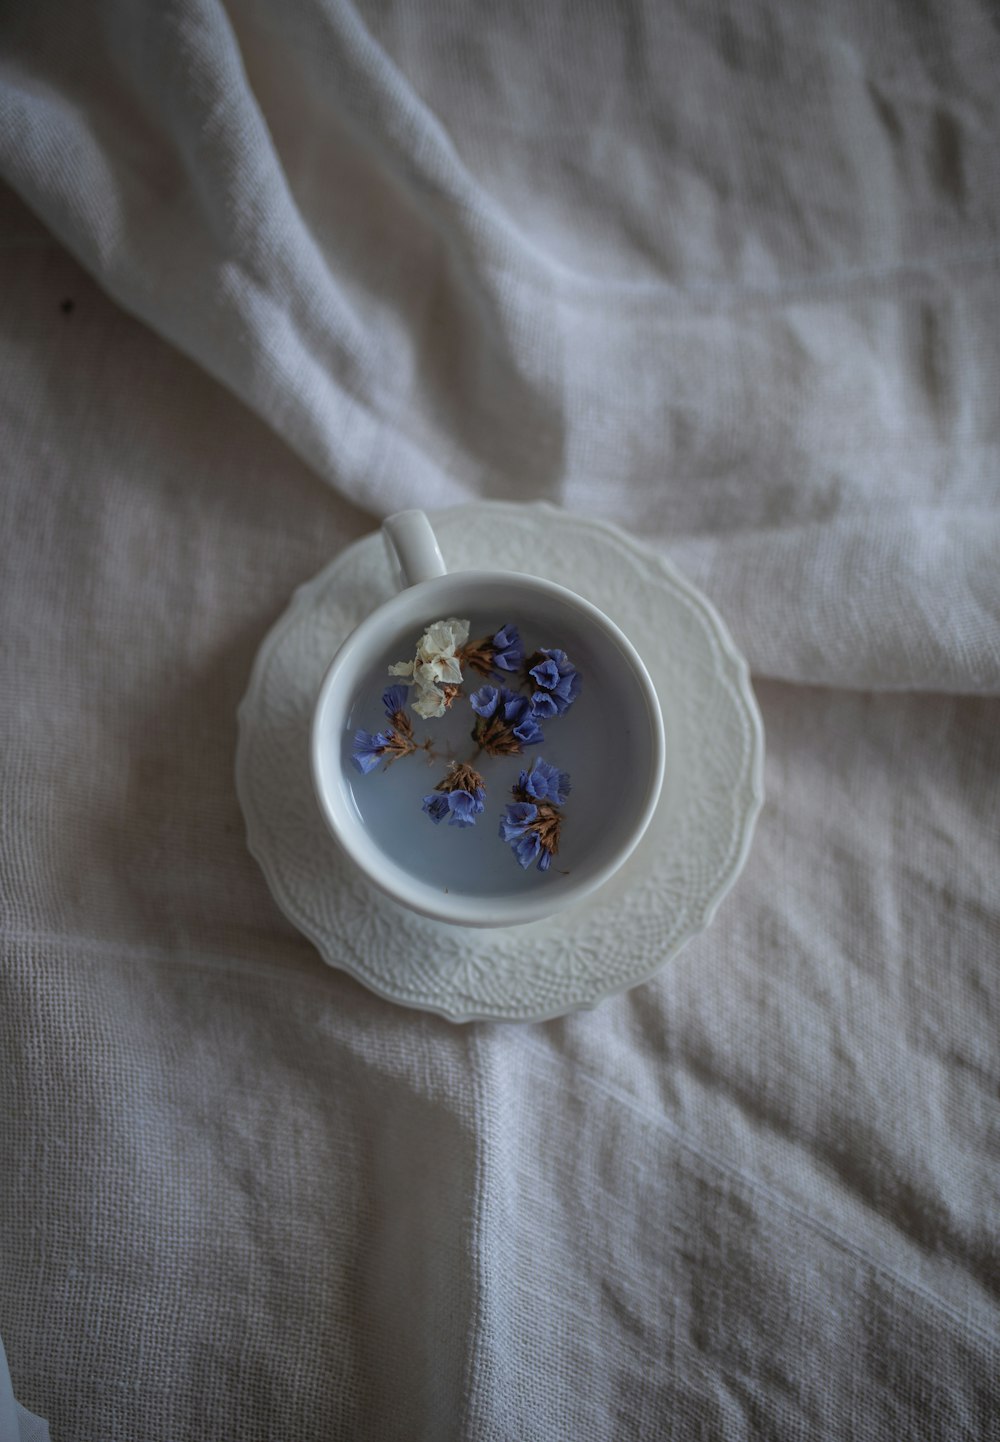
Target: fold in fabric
<point>243,1197</point>
<point>729,279</point>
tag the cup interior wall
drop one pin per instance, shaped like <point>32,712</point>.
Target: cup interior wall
<point>606,742</point>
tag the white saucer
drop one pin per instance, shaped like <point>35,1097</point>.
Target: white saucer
<point>666,893</point>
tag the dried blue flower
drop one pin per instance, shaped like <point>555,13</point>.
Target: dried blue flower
<point>517,818</point>
<point>485,701</point>
<point>528,731</point>
<point>502,651</point>
<point>394,701</point>
<point>515,707</point>
<point>370,750</point>
<point>465,807</point>
<point>518,716</point>
<point>506,724</point>
<point>556,677</point>
<point>544,782</point>
<point>436,806</point>
<point>516,822</point>
<point>546,673</point>
<point>459,798</point>
<point>508,650</point>
<point>543,705</point>
<point>388,745</point>
<point>532,832</point>
<point>523,841</point>
<point>459,808</point>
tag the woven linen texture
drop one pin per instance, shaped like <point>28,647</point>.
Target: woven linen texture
<point>727,277</point>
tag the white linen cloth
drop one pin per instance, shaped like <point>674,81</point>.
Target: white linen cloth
<point>730,277</point>
<point>726,276</point>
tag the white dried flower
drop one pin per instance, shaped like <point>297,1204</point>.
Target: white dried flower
<point>429,703</point>
<point>435,664</point>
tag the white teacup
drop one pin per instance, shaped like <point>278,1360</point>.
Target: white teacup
<point>610,742</point>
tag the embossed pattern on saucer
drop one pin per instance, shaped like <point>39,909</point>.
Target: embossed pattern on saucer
<point>669,889</point>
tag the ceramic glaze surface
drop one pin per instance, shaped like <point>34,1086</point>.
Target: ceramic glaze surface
<point>666,891</point>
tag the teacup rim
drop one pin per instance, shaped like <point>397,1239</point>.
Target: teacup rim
<point>418,896</point>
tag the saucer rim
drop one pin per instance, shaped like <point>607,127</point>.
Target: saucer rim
<point>741,690</point>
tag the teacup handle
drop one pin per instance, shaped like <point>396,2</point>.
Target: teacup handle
<point>410,536</point>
